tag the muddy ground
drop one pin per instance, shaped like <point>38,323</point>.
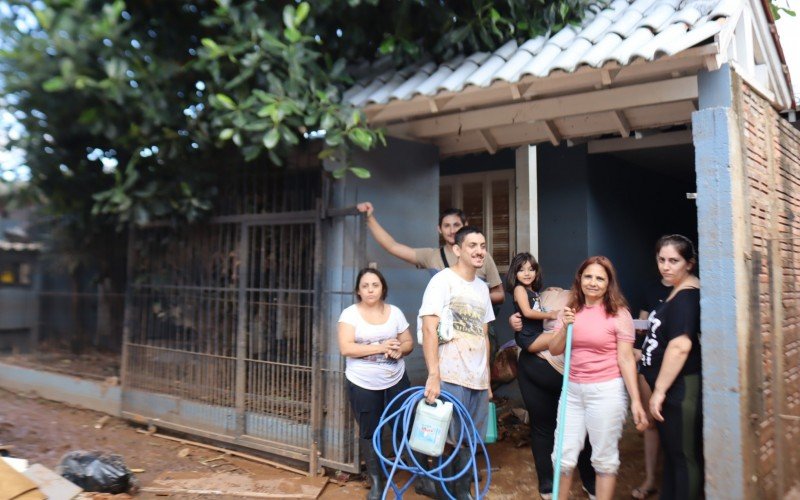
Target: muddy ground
<point>43,431</point>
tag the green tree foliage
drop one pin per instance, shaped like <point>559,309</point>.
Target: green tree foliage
<point>135,110</point>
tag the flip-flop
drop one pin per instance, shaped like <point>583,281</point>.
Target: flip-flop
<point>642,493</point>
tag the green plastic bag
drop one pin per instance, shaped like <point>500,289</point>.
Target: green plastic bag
<point>491,428</point>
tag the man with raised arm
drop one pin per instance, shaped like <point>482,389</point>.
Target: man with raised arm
<point>459,364</point>
<point>436,259</point>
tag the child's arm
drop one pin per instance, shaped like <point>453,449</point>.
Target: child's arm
<point>521,298</point>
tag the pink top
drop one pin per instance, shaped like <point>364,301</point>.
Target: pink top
<point>594,343</point>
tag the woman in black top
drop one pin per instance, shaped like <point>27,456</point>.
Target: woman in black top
<point>538,372</point>
<point>671,365</point>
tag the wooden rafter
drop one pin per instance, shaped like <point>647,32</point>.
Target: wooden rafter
<point>552,108</point>
<point>488,140</point>
<point>646,142</point>
<point>552,133</point>
<point>622,123</point>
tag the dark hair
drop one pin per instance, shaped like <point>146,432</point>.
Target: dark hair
<point>683,246</point>
<point>453,211</point>
<point>517,262</point>
<point>384,286</point>
<point>613,299</point>
<point>464,231</point>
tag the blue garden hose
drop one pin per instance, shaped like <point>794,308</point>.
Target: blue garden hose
<point>562,415</point>
<point>398,415</point>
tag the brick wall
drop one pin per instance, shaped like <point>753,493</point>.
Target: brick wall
<point>771,157</point>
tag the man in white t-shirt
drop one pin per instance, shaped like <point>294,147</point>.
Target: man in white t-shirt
<point>460,366</point>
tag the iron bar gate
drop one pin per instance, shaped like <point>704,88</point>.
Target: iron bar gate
<point>231,332</point>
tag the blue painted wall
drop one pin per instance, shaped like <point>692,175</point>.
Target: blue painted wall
<point>714,128</point>
<point>630,208</point>
<point>563,212</point>
<point>404,188</point>
<point>603,205</point>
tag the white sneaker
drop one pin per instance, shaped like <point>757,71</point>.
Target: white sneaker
<point>546,496</point>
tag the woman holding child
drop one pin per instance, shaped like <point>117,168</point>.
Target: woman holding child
<point>539,372</point>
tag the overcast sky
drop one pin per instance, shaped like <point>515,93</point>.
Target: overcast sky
<point>789,33</point>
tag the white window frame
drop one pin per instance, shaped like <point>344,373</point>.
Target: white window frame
<point>456,183</point>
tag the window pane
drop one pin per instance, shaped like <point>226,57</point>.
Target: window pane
<point>501,224</point>
<point>473,203</point>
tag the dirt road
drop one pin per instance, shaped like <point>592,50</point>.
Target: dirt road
<point>43,431</point>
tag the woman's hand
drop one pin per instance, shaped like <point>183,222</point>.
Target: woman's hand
<point>515,322</point>
<point>568,316</point>
<point>394,353</point>
<point>390,346</point>
<point>656,403</point>
<point>553,314</point>
<point>639,416</point>
<point>366,208</point>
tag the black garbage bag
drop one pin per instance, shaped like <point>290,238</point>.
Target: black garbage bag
<point>96,471</point>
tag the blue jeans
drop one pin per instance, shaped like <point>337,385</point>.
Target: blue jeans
<point>477,404</point>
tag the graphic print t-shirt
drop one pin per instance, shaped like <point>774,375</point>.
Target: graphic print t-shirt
<point>651,299</point>
<point>375,372</point>
<point>463,360</point>
<point>675,317</point>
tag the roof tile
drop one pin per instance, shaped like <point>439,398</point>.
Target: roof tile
<point>512,69</point>
<point>657,18</point>
<point>569,59</point>
<point>541,63</point>
<point>620,31</point>
<point>496,61</point>
<point>601,50</point>
<point>594,31</point>
<point>455,82</point>
<point>626,24</point>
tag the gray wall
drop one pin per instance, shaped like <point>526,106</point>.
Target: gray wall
<point>563,212</point>
<point>630,208</point>
<point>604,205</point>
<point>404,188</point>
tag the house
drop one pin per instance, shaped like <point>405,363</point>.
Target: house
<point>652,117</point>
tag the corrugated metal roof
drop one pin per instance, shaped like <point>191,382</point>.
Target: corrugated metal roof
<point>618,31</point>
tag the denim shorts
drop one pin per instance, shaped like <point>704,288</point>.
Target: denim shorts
<point>477,404</point>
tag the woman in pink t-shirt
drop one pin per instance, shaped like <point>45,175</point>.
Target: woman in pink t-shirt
<point>602,367</point>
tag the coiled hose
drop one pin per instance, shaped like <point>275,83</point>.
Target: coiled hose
<point>398,415</point>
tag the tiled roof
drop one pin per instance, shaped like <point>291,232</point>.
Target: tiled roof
<point>619,31</point>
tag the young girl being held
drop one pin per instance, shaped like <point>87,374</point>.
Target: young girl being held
<point>523,282</point>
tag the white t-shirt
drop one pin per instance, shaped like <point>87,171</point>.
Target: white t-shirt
<point>463,360</point>
<point>375,372</point>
